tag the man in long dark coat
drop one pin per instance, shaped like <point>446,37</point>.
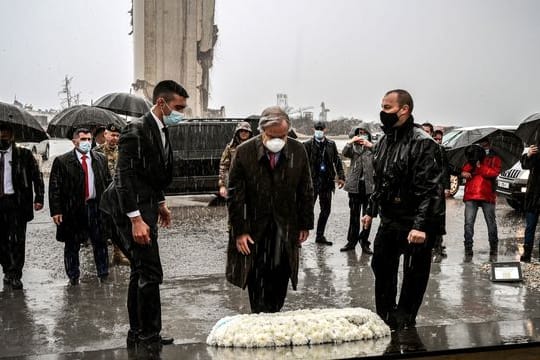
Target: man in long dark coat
<point>77,180</point>
<point>270,212</point>
<point>19,175</point>
<point>136,202</point>
<point>531,161</point>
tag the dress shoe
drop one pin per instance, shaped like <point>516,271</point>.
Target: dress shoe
<point>166,340</point>
<point>322,240</point>
<point>119,258</point>
<point>103,279</point>
<point>74,281</point>
<point>366,250</point>
<point>347,247</point>
<point>7,280</point>
<point>16,284</point>
<point>132,339</point>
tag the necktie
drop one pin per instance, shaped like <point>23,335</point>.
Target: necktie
<point>272,157</point>
<point>166,146</point>
<point>85,170</point>
<point>2,153</point>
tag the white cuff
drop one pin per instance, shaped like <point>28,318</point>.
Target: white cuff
<point>133,214</point>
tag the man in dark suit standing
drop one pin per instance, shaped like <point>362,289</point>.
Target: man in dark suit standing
<point>270,212</point>
<point>136,202</point>
<point>19,171</point>
<point>77,180</point>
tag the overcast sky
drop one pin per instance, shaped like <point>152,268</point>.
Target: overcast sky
<point>465,62</point>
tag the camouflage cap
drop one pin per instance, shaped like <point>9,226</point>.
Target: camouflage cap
<point>244,125</point>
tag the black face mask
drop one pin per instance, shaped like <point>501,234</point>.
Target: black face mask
<point>389,119</point>
<point>4,144</point>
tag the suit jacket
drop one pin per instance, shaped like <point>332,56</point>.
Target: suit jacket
<point>66,192</point>
<point>25,176</point>
<point>260,196</point>
<point>143,172</point>
<point>334,166</point>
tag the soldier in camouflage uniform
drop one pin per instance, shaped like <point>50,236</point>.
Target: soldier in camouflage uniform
<point>242,133</point>
<point>110,149</point>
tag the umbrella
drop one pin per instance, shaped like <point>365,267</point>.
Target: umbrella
<point>505,144</point>
<point>25,127</point>
<point>529,130</point>
<point>81,116</point>
<point>124,104</point>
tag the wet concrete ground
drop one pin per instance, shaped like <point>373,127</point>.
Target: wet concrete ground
<point>49,318</point>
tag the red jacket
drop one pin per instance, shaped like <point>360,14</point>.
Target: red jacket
<point>481,186</point>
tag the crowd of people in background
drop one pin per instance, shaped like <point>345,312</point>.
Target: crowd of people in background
<point>111,187</point>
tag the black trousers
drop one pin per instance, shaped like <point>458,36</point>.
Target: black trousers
<point>269,278</point>
<point>325,204</point>
<point>12,238</point>
<point>389,245</point>
<point>143,300</point>
<point>357,207</point>
<point>99,245</point>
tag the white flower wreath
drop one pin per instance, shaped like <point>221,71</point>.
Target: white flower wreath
<point>300,327</point>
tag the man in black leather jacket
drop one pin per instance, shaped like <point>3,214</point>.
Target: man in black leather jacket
<point>408,199</point>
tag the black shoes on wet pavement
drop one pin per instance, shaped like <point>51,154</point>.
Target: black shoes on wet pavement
<point>347,247</point>
<point>365,248</point>
<point>16,284</point>
<point>322,240</point>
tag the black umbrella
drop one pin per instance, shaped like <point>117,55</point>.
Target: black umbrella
<point>81,116</point>
<point>505,144</point>
<point>124,104</point>
<point>529,130</point>
<point>25,127</point>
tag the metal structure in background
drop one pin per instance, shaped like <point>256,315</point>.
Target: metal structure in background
<point>25,127</point>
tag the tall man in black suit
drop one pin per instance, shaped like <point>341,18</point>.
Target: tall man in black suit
<point>77,180</point>
<point>136,202</point>
<point>18,172</point>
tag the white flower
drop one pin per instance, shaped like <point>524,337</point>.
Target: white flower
<point>301,327</point>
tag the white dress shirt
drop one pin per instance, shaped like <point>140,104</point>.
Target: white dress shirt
<point>91,187</point>
<point>8,180</point>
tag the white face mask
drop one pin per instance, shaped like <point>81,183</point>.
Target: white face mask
<point>275,145</point>
<point>319,134</point>
<point>85,146</point>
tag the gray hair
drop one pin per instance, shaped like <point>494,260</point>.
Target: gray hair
<point>272,116</point>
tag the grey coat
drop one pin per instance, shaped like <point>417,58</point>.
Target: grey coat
<point>361,165</point>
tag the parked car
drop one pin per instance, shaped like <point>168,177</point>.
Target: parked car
<point>512,185</point>
<point>51,147</point>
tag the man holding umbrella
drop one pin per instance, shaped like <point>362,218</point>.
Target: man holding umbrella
<point>110,149</point>
<point>19,171</point>
<point>481,171</point>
